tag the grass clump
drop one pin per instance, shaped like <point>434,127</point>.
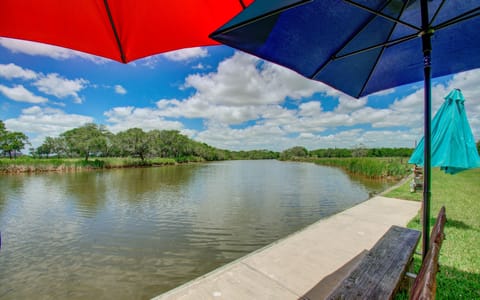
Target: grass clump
<point>459,276</point>
<point>28,164</point>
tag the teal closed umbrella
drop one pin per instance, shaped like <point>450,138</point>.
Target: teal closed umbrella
<point>453,145</point>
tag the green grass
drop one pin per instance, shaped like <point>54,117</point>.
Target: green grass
<point>459,276</point>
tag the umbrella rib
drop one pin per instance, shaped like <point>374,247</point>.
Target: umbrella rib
<point>115,33</point>
<point>385,44</point>
<point>383,49</point>
<point>378,13</point>
<point>261,17</point>
<point>334,56</point>
<point>460,18</point>
<point>436,13</point>
<point>242,4</point>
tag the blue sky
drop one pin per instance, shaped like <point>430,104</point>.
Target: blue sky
<point>215,95</point>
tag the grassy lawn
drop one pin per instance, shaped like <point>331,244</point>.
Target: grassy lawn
<point>459,276</point>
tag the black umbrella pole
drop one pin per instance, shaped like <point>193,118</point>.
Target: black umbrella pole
<point>427,49</point>
<point>427,162</point>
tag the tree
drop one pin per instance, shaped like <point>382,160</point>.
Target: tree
<point>14,142</point>
<point>360,151</point>
<point>86,140</point>
<point>170,143</point>
<point>134,142</point>
<point>48,147</point>
<point>294,152</point>
<point>3,133</point>
<point>3,130</point>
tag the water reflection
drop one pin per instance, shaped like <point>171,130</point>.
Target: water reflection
<point>7,183</point>
<point>135,233</point>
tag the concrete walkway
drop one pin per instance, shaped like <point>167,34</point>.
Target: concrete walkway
<point>289,268</point>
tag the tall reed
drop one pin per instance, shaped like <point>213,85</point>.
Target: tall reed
<point>391,167</point>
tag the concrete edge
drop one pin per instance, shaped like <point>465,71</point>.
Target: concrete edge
<point>242,258</point>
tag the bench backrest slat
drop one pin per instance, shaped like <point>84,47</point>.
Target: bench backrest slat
<point>425,284</point>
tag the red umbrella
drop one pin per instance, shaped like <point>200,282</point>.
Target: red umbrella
<point>122,30</point>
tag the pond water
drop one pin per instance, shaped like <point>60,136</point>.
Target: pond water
<point>136,233</point>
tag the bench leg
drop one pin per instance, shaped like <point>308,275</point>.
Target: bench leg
<point>408,281</point>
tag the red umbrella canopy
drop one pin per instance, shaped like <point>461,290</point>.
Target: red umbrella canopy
<point>122,30</point>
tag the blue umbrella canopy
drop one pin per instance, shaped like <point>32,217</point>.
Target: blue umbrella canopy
<point>363,46</point>
<point>358,47</point>
<point>453,145</point>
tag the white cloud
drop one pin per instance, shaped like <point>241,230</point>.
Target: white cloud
<point>120,89</point>
<point>60,87</point>
<point>20,94</point>
<point>311,108</point>
<point>200,66</point>
<point>40,49</point>
<point>245,80</point>
<point>186,54</point>
<point>42,122</point>
<point>254,137</point>
<point>243,88</point>
<point>12,71</point>
<point>123,118</point>
<point>347,104</point>
<point>244,108</point>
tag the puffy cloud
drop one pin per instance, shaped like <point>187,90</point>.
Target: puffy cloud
<point>347,104</point>
<point>40,49</point>
<point>42,122</point>
<point>245,80</point>
<point>120,89</point>
<point>51,84</point>
<point>253,137</point>
<point>54,84</point>
<point>251,94</point>
<point>123,118</point>
<point>186,54</point>
<point>20,94</point>
<point>12,71</point>
<point>311,108</point>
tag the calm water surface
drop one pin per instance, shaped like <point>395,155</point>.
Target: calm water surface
<point>135,233</point>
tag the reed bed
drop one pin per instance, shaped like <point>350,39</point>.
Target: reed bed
<point>39,165</point>
<point>376,168</point>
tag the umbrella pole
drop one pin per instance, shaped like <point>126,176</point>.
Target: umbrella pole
<point>427,49</point>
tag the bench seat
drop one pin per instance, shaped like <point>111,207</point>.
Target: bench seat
<point>379,274</point>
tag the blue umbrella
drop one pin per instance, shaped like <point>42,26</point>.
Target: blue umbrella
<point>453,145</point>
<point>363,46</point>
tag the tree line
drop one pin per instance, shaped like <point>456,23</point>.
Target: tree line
<point>95,140</point>
<point>92,140</point>
<point>359,151</point>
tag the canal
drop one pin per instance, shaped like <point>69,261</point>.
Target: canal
<point>136,233</point>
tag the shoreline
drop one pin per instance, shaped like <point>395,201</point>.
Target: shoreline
<point>52,165</point>
<point>69,165</point>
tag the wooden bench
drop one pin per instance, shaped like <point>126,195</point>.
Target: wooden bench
<point>381,271</point>
<point>379,274</point>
